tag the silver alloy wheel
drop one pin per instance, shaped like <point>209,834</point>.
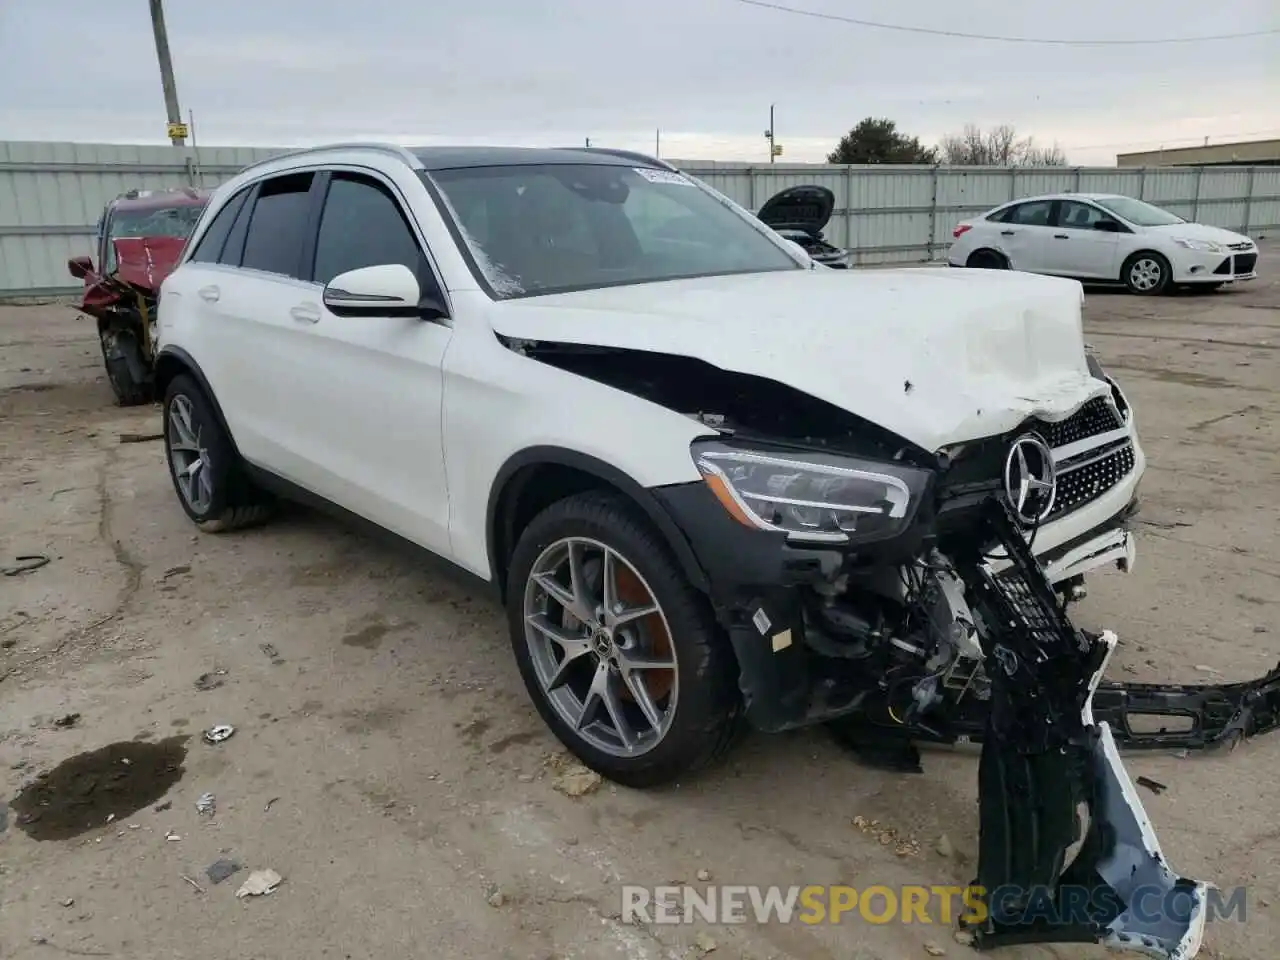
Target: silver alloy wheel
<point>602,652</point>
<point>189,458</point>
<point>1145,274</point>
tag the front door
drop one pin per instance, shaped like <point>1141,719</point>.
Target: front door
<point>365,393</point>
<point>1078,247</point>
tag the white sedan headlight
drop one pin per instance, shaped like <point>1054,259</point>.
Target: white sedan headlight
<point>1204,246</point>
<point>815,497</point>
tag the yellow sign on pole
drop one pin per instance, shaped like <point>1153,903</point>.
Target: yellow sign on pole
<point>178,131</point>
<point>777,149</point>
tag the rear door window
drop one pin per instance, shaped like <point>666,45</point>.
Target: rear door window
<point>277,228</point>
<point>1033,214</point>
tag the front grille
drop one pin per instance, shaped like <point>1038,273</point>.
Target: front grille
<point>1095,417</point>
<point>1243,263</point>
<point>1085,484</point>
<point>1246,245</point>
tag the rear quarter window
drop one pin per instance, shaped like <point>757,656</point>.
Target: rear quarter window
<point>209,246</point>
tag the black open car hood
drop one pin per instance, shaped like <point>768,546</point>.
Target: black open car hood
<point>807,207</point>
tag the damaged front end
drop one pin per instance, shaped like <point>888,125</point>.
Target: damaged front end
<point>955,633</point>
<point>894,595</point>
<point>1066,850</point>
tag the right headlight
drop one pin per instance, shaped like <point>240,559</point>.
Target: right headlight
<point>816,497</point>
<point>1121,401</point>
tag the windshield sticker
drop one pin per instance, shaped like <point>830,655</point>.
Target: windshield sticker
<point>663,176</point>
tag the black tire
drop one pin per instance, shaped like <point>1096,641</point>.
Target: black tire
<point>987,259</point>
<point>235,501</point>
<point>127,371</point>
<point>1133,266</point>
<point>708,711</point>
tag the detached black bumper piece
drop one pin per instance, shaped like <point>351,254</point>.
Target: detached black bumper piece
<point>1051,778</point>
<point>1209,715</point>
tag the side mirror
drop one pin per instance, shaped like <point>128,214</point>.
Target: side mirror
<point>1108,226</point>
<point>389,289</point>
<point>80,267</point>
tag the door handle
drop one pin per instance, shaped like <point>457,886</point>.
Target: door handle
<point>210,294</point>
<point>305,313</point>
<point>1007,233</point>
<point>1061,236</point>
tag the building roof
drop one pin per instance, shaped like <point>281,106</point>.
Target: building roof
<point>1240,152</point>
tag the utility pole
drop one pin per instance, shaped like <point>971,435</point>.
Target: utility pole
<point>657,144</point>
<point>588,141</point>
<point>177,129</point>
<point>773,150</point>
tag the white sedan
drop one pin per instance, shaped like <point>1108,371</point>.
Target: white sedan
<point>1103,238</point>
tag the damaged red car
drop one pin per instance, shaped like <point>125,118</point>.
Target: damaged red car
<point>140,237</point>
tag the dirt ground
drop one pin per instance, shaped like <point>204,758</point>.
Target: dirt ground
<point>387,763</point>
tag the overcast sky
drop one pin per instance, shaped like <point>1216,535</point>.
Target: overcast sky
<point>542,72</point>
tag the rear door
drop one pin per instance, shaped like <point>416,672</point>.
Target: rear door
<point>1023,234</point>
<point>362,394</point>
<point>1078,248</point>
<point>245,350</point>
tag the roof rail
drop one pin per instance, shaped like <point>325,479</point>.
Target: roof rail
<point>391,149</point>
<point>628,155</point>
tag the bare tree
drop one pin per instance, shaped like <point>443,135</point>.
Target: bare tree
<point>998,147</point>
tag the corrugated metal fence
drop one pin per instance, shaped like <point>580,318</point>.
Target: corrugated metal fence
<point>52,193</point>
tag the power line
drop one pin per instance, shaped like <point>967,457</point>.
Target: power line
<point>996,38</point>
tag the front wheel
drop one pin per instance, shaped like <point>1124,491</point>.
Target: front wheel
<point>620,653</point>
<point>127,371</point>
<point>1146,273</point>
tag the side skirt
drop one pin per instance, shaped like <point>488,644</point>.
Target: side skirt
<point>287,490</point>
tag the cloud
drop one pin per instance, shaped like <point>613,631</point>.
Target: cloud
<point>286,72</point>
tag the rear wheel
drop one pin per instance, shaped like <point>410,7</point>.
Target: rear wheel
<point>206,471</point>
<point>622,656</point>
<point>1146,273</point>
<point>987,260</point>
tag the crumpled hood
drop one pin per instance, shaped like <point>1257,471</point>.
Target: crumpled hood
<point>937,356</point>
<point>145,261</point>
<point>142,263</point>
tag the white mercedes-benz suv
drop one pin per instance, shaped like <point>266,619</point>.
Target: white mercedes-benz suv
<point>710,479</point>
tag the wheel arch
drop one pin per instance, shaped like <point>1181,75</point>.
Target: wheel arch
<point>1149,251</point>
<point>536,477</point>
<point>171,363</point>
<point>988,250</point>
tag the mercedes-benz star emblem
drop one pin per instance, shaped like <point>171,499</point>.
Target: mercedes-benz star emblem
<point>1030,479</point>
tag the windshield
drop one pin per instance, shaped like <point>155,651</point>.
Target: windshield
<point>1139,213</point>
<point>553,228</point>
<point>155,222</point>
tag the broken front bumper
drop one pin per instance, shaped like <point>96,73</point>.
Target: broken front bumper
<point>1051,782</point>
<point>1118,889</point>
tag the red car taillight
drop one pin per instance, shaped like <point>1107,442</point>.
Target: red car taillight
<point>960,230</point>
